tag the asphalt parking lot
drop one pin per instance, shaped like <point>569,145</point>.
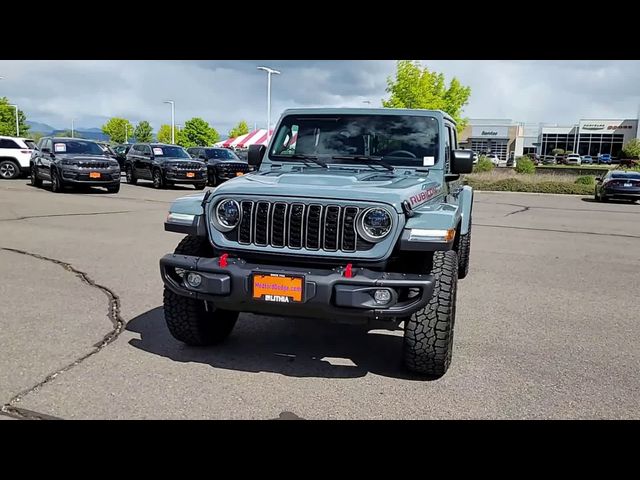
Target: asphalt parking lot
<point>547,323</point>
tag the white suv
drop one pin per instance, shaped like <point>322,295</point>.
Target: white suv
<point>15,154</point>
<point>574,159</point>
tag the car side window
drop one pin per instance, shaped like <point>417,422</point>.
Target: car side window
<point>447,145</point>
<point>146,150</point>
<point>47,144</point>
<point>6,143</point>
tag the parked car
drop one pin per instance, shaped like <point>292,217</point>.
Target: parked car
<point>164,165</point>
<point>548,160</point>
<point>573,159</point>
<point>587,159</point>
<point>511,161</point>
<point>73,162</point>
<point>496,160</point>
<point>618,184</point>
<point>629,162</point>
<point>222,163</point>
<point>560,159</point>
<point>15,153</point>
<point>121,153</point>
<point>604,158</point>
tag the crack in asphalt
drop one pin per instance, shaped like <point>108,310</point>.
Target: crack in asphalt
<point>558,231</point>
<point>62,215</point>
<point>558,208</point>
<point>113,314</point>
<point>524,209</point>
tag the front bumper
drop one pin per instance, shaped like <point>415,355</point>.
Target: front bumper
<point>108,177</point>
<point>327,293</point>
<point>181,177</point>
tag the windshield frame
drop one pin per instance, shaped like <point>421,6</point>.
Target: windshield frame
<point>367,126</point>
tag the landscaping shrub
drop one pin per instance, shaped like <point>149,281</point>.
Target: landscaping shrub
<point>525,165</point>
<point>585,180</point>
<point>483,165</point>
<point>517,185</point>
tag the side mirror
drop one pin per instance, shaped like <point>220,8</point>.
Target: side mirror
<point>256,152</point>
<point>461,161</point>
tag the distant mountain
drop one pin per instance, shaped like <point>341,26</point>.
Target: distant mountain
<point>39,127</point>
<point>89,134</point>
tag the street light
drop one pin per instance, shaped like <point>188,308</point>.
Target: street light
<point>270,71</point>
<point>17,122</point>
<point>173,120</point>
<point>72,128</point>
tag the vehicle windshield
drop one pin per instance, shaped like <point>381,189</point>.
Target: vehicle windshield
<point>170,151</point>
<point>627,175</point>
<point>77,147</point>
<point>221,154</point>
<point>30,143</point>
<point>401,140</point>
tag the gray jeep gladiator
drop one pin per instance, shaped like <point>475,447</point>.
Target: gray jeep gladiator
<point>352,215</point>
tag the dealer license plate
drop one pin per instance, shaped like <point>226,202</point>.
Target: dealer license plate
<point>273,287</point>
<point>94,174</point>
<point>190,174</point>
<point>627,184</point>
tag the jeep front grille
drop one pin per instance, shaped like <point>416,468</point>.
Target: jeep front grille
<point>311,226</point>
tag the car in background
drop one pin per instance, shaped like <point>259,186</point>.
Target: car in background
<point>629,162</point>
<point>586,160</point>
<point>561,159</point>
<point>618,184</point>
<point>121,153</point>
<point>604,158</point>
<point>222,164</point>
<point>165,165</point>
<point>73,162</point>
<point>573,159</point>
<point>475,158</point>
<point>15,153</point>
<point>496,160</point>
<point>548,160</point>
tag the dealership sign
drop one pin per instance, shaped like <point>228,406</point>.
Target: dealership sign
<point>606,126</point>
<point>489,132</point>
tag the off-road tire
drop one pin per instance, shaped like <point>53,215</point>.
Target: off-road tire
<point>130,175</point>
<point>9,169</point>
<point>464,253</point>
<point>191,321</point>
<point>34,180</point>
<point>428,333</point>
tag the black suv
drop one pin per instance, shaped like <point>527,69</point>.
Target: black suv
<point>121,154</point>
<point>164,165</point>
<point>222,163</point>
<point>73,162</point>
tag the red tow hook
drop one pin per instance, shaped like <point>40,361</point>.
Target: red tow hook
<point>223,260</point>
<point>348,271</point>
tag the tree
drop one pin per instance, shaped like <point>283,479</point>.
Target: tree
<point>8,119</point>
<point>197,132</point>
<point>36,136</point>
<point>557,151</point>
<point>164,134</point>
<point>418,87</point>
<point>115,129</point>
<point>631,149</point>
<point>143,132</point>
<point>240,129</point>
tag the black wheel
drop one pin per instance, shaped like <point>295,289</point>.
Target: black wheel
<point>158,180</point>
<point>113,188</point>
<point>464,252</point>
<point>199,186</point>
<point>35,181</point>
<point>196,322</point>
<point>130,176</point>
<point>428,333</point>
<point>56,182</point>
<point>9,169</point>
<point>213,182</point>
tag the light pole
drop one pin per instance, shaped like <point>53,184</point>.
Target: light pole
<point>173,120</point>
<point>17,121</point>
<point>270,71</point>
<point>72,128</point>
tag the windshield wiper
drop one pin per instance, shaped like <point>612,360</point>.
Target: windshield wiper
<point>298,156</point>
<point>376,160</point>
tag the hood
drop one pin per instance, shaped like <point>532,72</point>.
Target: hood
<point>179,161</point>
<point>392,188</point>
<point>80,157</point>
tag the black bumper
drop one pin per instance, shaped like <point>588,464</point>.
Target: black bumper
<point>107,178</point>
<point>622,193</point>
<point>327,293</point>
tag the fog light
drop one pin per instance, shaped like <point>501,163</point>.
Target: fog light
<point>382,296</point>
<point>194,280</point>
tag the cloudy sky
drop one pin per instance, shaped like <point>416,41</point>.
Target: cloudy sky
<point>224,92</point>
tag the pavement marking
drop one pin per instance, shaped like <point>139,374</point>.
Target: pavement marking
<point>29,217</point>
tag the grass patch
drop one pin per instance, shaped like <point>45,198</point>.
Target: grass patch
<point>585,180</point>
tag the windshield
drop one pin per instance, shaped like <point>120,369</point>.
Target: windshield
<point>77,146</point>
<point>402,140</point>
<point>634,176</point>
<point>170,151</point>
<point>222,154</point>
<point>30,143</point>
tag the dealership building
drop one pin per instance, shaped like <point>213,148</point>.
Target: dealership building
<point>504,137</point>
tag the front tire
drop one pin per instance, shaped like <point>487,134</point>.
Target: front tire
<point>9,170</point>
<point>196,322</point>
<point>34,180</point>
<point>428,333</point>
<point>113,189</point>
<point>56,182</point>
<point>199,186</point>
<point>130,176</point>
<point>158,179</point>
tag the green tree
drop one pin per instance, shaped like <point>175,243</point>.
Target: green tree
<point>8,119</point>
<point>631,149</point>
<point>418,87</point>
<point>557,151</point>
<point>67,133</point>
<point>36,136</point>
<point>197,132</point>
<point>164,134</point>
<point>115,129</point>
<point>143,132</point>
<point>240,129</point>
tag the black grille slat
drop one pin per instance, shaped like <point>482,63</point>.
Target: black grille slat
<point>96,165</point>
<point>331,227</point>
<point>349,236</point>
<point>187,166</point>
<point>261,224</point>
<point>282,224</point>
<point>278,224</point>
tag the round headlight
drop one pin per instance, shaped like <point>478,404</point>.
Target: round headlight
<point>227,215</point>
<point>375,224</point>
